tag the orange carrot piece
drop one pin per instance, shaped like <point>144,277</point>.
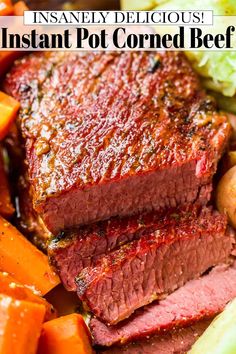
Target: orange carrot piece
<point>19,8</point>
<point>6,8</point>
<point>8,57</point>
<point>8,112</point>
<point>7,2</point>
<point>6,60</point>
<point>67,334</point>
<point>11,287</point>
<point>24,261</point>
<point>6,207</point>
<point>20,325</point>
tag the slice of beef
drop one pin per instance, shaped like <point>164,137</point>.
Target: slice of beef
<point>199,299</point>
<point>27,220</point>
<point>155,265</point>
<point>113,133</point>
<point>178,341</point>
<point>73,250</point>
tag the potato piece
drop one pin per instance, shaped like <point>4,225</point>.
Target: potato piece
<point>137,5</point>
<point>219,337</point>
<point>231,159</point>
<point>226,195</point>
<point>19,8</point>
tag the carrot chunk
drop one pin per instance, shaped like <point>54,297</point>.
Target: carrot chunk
<point>20,325</point>
<point>19,8</point>
<point>11,287</point>
<point>6,8</point>
<point>8,57</point>
<point>6,207</point>
<point>67,334</point>
<point>7,2</point>
<point>6,60</point>
<point>8,112</point>
<point>24,261</point>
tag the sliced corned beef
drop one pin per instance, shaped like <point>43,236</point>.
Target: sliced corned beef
<point>197,300</point>
<point>155,265</point>
<point>111,134</point>
<point>178,341</point>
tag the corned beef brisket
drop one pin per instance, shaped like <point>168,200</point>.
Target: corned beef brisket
<point>199,299</point>
<point>155,265</point>
<point>178,341</point>
<point>114,133</point>
<point>121,149</point>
